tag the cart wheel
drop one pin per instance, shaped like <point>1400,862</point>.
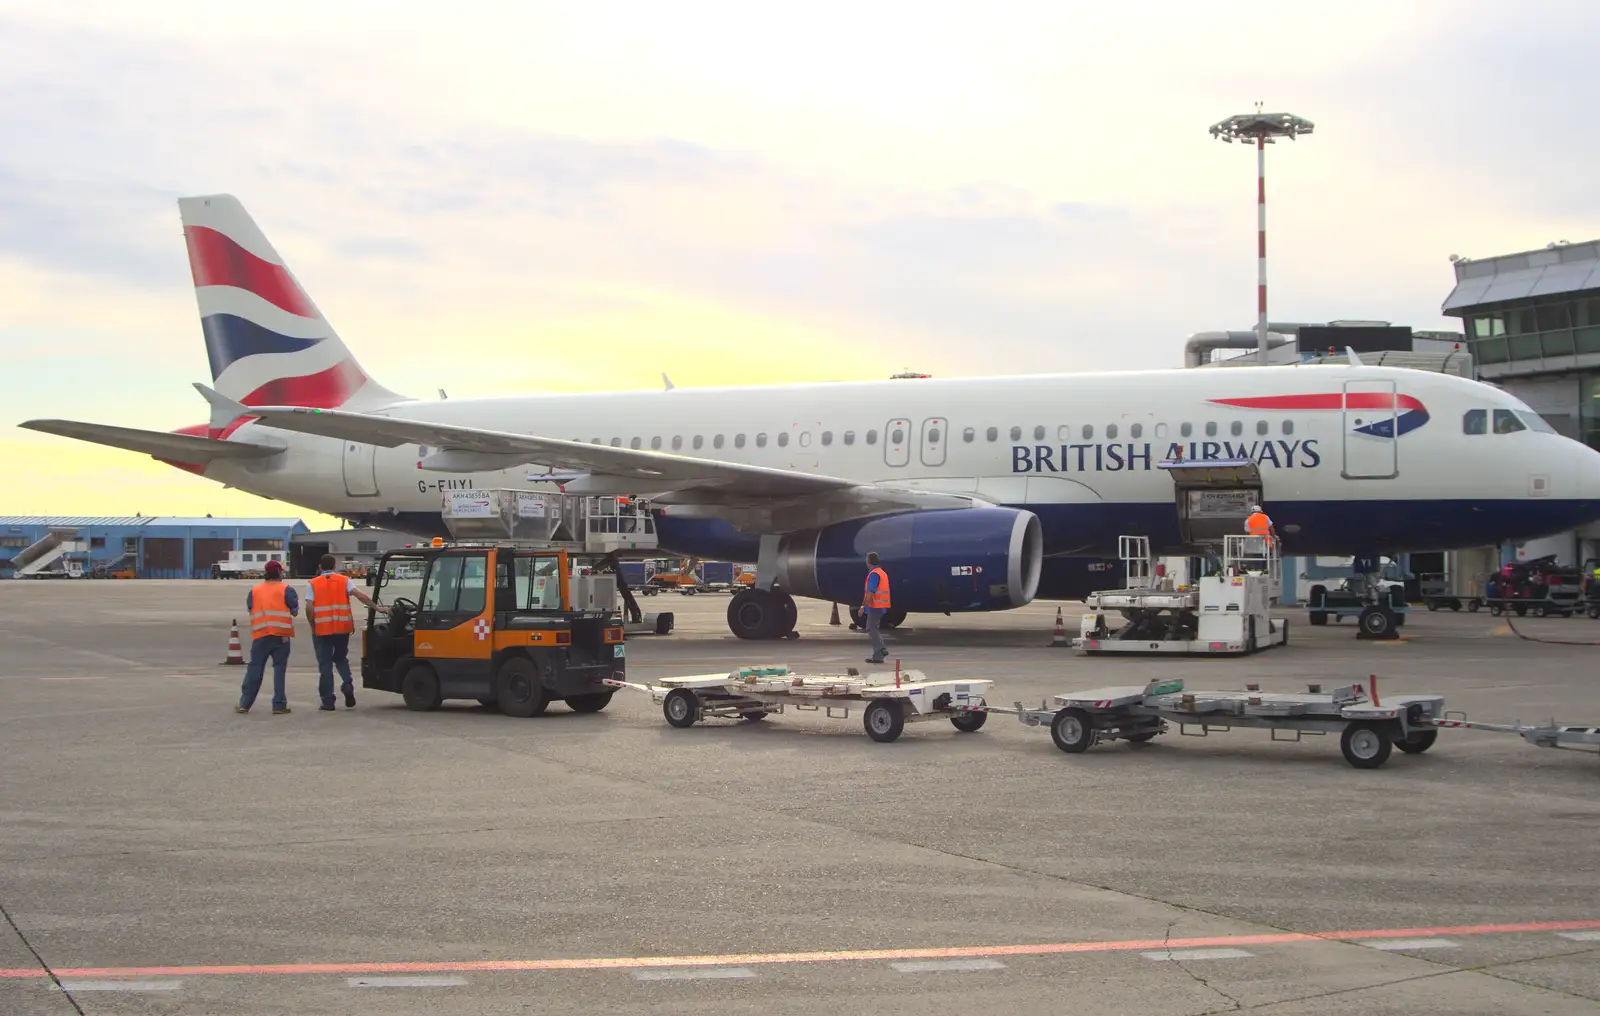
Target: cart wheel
<point>1433,604</point>
<point>1366,745</point>
<point>1495,609</point>
<point>1419,742</point>
<point>1144,737</point>
<point>883,720</point>
<point>969,723</point>
<point>1455,605</point>
<point>681,707</point>
<point>1472,606</point>
<point>1538,611</point>
<point>1072,730</point>
<point>488,703</point>
<point>1250,646</point>
<point>518,689</point>
<point>1594,612</point>
<point>420,688</point>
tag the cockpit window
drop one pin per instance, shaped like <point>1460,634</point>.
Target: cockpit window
<point>1506,422</point>
<point>1475,421</point>
<point>1535,422</point>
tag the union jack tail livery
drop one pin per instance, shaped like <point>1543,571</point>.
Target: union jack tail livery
<point>267,342</point>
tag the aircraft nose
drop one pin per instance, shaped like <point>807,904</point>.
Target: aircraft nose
<point>1589,479</point>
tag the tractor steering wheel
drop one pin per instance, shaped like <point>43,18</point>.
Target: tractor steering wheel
<point>401,611</point>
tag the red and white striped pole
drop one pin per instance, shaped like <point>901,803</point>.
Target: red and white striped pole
<point>1261,252</point>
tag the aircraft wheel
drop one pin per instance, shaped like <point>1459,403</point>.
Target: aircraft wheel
<point>756,614</point>
<point>518,689</point>
<point>892,619</point>
<point>1377,623</point>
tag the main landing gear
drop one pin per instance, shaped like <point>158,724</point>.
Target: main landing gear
<point>763,615</point>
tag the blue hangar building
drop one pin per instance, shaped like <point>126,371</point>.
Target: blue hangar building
<point>148,546</point>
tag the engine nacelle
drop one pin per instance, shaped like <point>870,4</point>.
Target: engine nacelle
<point>949,560</point>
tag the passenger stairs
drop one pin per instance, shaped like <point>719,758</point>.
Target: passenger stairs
<point>44,558</point>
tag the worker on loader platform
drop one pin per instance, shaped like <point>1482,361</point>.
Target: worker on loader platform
<point>328,613</point>
<point>1259,525</point>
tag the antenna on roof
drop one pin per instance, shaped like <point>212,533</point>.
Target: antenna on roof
<point>1355,361</point>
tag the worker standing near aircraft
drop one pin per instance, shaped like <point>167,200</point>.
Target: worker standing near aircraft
<point>272,605</point>
<point>328,612</point>
<point>1260,526</point>
<point>874,604</point>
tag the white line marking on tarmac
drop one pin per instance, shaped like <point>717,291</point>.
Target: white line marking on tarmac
<point>1581,936</point>
<point>946,966</point>
<point>1199,954</point>
<point>684,974</point>
<point>1403,944</point>
<point>151,985</point>
<point>405,982</point>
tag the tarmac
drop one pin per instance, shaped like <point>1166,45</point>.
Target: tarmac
<point>161,854</point>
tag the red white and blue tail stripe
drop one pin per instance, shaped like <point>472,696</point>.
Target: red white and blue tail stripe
<point>266,341</point>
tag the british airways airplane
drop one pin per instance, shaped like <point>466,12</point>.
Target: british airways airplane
<point>972,491</point>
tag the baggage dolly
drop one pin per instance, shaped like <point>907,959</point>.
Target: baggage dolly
<point>888,700</point>
<point>1369,729</point>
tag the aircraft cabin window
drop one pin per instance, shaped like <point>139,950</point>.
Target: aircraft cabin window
<point>933,435</point>
<point>1261,427</point>
<point>616,442</point>
<point>1288,427</point>
<point>716,442</point>
<point>805,439</point>
<point>1038,433</point>
<point>699,442</point>
<point>1161,430</point>
<point>635,443</point>
<point>1016,433</point>
<point>968,434</point>
<point>738,440</point>
<point>677,442</point>
<point>1211,428</point>
<point>849,437</point>
<point>898,437</point>
<point>1506,422</point>
<point>1137,430</point>
<point>594,440</point>
<point>1237,428</point>
<point>827,438</point>
<point>1186,429</point>
<point>655,444</point>
<point>872,437</point>
<point>761,440</point>
<point>1111,432</point>
<point>993,433</point>
<point>1475,421</point>
<point>783,439</point>
<point>1088,431</point>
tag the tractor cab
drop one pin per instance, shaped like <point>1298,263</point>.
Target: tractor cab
<point>491,622</point>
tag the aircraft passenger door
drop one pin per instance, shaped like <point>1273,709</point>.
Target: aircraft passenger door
<point>360,469</point>
<point>897,442</point>
<point>1371,445</point>
<point>935,433</point>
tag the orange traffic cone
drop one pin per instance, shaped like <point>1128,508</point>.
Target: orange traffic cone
<point>834,620</point>
<point>235,651</point>
<point>1059,636</point>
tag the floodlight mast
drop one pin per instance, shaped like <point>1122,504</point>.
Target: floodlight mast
<point>1264,129</point>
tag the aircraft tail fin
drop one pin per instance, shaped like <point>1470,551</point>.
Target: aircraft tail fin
<point>267,343</point>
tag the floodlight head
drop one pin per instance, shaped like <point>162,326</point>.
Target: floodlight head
<point>1262,127</point>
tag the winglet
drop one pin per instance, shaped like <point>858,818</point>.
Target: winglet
<point>223,409</point>
<point>667,381</point>
<point>1355,361</point>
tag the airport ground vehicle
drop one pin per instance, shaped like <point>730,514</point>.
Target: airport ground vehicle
<point>1539,587</point>
<point>888,700</point>
<point>1369,727</point>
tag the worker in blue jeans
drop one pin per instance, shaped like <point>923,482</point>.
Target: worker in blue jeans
<point>328,612</point>
<point>272,606</point>
<point>874,604</point>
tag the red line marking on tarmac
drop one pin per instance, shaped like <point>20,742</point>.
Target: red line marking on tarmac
<point>827,956</point>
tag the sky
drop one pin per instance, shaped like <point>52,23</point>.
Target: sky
<point>495,198</point>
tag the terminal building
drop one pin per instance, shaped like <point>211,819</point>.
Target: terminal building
<point>1532,322</point>
<point>143,546</point>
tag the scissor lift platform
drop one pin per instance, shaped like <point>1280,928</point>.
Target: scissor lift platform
<point>888,700</point>
<point>1369,727</point>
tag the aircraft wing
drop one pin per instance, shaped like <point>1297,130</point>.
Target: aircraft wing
<point>158,444</point>
<point>758,496</point>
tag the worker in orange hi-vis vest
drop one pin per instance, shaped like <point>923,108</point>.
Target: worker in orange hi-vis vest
<point>1260,526</point>
<point>332,623</point>
<point>272,606</point>
<point>874,604</point>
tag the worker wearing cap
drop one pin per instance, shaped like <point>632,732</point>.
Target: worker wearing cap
<point>1259,525</point>
<point>328,613</point>
<point>272,606</point>
<point>874,604</point>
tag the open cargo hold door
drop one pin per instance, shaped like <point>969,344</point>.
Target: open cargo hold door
<point>1213,497</point>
